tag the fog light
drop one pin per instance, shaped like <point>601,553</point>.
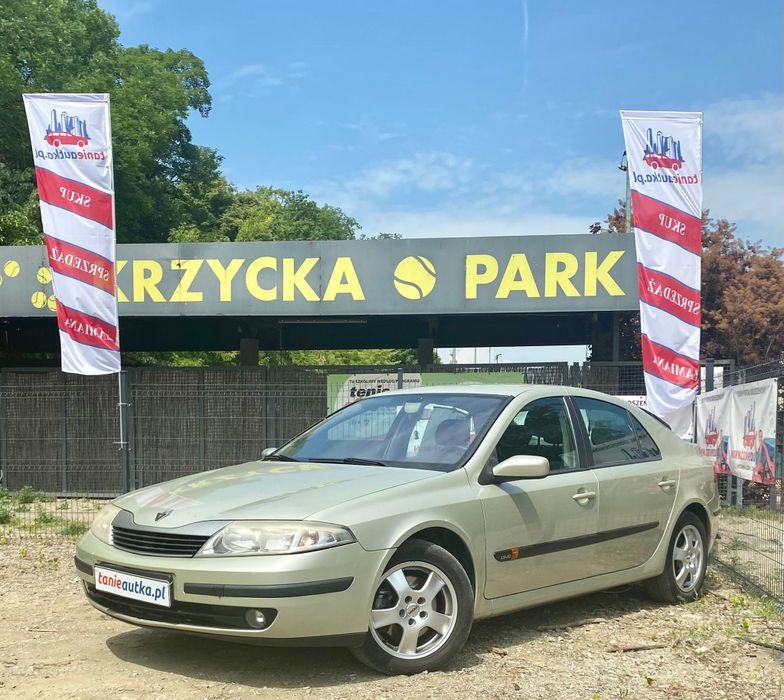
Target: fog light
<point>256,619</point>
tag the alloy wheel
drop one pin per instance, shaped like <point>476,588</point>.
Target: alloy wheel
<point>414,610</point>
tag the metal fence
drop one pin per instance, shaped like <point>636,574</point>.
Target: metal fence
<point>59,451</point>
<point>59,433</point>
<point>752,521</point>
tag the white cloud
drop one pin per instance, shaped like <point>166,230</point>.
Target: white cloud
<point>748,188</point>
<point>371,131</point>
<point>747,131</point>
<point>587,178</point>
<point>467,222</point>
<point>254,73</point>
<point>440,194</point>
<point>424,172</point>
<point>465,199</point>
<point>449,174</point>
<point>252,76</point>
<point>752,197</point>
<point>127,10</point>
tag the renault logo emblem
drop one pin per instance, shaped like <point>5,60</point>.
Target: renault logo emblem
<point>161,515</point>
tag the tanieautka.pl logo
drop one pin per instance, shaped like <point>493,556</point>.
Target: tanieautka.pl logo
<point>69,136</point>
<point>664,153</point>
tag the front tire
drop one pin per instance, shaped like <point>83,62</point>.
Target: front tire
<point>687,557</point>
<point>421,613</point>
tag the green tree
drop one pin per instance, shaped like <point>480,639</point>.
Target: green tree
<point>742,295</point>
<point>272,214</point>
<point>45,46</point>
<point>156,163</point>
<point>71,46</point>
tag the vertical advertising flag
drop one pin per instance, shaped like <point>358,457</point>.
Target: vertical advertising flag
<point>664,154</point>
<point>72,153</point>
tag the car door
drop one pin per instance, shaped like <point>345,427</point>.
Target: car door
<point>637,489</point>
<point>537,530</point>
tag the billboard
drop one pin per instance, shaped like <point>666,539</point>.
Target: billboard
<point>521,274</point>
<point>343,389</point>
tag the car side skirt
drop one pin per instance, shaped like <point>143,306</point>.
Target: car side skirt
<point>534,550</point>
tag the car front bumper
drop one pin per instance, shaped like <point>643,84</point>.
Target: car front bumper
<point>321,597</point>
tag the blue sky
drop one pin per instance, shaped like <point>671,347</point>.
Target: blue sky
<point>445,118</point>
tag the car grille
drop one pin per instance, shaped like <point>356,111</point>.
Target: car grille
<point>181,613</point>
<point>157,543</point>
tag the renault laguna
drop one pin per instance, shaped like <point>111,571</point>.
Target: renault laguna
<point>394,523</point>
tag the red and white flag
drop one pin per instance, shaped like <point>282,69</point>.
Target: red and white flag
<point>72,153</point>
<point>664,154</point>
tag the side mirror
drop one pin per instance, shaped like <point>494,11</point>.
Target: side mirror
<point>522,467</point>
<point>268,451</point>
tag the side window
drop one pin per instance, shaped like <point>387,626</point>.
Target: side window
<point>542,428</point>
<point>613,433</point>
<point>649,449</point>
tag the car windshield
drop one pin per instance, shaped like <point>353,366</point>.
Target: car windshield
<point>426,430</point>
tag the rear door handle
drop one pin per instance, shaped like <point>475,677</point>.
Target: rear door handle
<point>667,483</point>
<point>584,496</point>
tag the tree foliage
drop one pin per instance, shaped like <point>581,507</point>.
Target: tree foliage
<point>271,214</point>
<point>72,46</point>
<point>742,295</point>
<point>276,358</point>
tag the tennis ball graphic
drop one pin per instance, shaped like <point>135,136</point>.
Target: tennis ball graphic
<point>415,277</point>
<point>51,302</point>
<point>38,300</point>
<point>11,268</point>
<point>44,276</point>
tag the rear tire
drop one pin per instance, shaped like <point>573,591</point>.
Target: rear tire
<point>421,613</point>
<point>687,558</point>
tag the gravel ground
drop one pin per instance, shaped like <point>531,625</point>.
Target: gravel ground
<point>614,644</point>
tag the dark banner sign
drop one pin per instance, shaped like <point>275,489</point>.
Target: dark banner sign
<point>522,274</point>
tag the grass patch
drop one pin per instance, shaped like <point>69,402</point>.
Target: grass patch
<point>74,529</point>
<point>26,495</point>
<point>45,518</point>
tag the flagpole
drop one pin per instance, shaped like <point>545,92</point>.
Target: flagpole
<point>122,375</point>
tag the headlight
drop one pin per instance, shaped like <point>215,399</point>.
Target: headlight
<point>102,525</point>
<point>273,537</point>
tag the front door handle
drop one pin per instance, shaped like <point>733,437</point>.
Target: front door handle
<point>584,496</point>
<point>667,483</point>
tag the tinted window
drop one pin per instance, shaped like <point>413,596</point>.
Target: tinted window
<point>542,428</point>
<point>649,449</point>
<point>423,430</point>
<point>613,433</point>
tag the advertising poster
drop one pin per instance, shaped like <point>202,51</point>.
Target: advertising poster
<point>343,389</point>
<point>736,428</point>
<point>753,431</point>
<point>713,428</point>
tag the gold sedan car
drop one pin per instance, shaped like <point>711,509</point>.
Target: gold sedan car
<point>393,524</point>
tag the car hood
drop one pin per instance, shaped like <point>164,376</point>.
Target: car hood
<point>261,490</point>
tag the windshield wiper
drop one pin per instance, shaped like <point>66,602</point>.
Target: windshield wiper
<point>278,458</point>
<point>349,460</point>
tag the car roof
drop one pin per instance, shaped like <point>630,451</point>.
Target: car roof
<point>497,389</point>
